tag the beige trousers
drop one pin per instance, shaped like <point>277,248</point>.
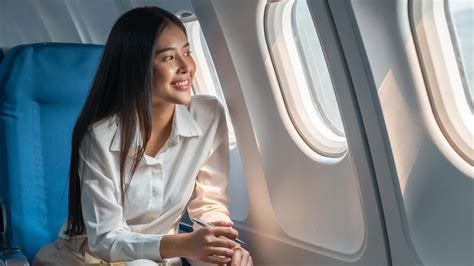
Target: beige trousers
<point>76,252</point>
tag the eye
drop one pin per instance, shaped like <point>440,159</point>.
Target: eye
<point>168,58</point>
<point>188,53</point>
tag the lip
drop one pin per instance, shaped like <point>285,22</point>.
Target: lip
<point>181,84</point>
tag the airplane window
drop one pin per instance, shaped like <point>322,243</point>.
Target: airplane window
<point>443,35</point>
<point>460,17</point>
<point>206,80</point>
<point>303,77</point>
<point>315,68</point>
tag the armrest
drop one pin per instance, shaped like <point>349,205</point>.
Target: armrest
<point>185,228</point>
<point>10,253</point>
<point>3,217</point>
<point>186,225</point>
<point>7,245</point>
<point>13,259</point>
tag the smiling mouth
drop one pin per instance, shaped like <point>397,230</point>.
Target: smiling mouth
<point>182,85</point>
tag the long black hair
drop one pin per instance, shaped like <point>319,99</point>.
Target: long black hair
<point>122,87</point>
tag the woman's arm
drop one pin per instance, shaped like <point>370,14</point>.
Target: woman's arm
<point>210,201</point>
<point>210,198</point>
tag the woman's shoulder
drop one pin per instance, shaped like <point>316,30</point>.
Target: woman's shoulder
<point>103,130</point>
<point>206,111</point>
<point>205,104</point>
<point>104,124</point>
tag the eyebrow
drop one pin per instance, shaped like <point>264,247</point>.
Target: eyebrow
<point>170,49</point>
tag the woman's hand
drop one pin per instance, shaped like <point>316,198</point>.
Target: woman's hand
<point>211,244</point>
<point>241,257</point>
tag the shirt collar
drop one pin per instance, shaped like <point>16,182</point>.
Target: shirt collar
<point>183,125</point>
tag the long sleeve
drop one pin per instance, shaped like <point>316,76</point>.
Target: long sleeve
<point>108,235</point>
<point>210,199</point>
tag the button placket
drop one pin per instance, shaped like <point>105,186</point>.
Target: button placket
<point>157,186</point>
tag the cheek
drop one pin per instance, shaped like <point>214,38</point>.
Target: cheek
<point>162,75</point>
<point>158,82</point>
<point>156,73</point>
<point>192,67</point>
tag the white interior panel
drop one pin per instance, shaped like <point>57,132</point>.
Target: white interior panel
<point>323,199</point>
<point>437,185</point>
<point>297,198</point>
<point>75,21</point>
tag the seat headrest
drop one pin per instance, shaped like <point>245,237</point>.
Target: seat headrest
<point>48,71</point>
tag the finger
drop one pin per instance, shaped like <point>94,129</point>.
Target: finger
<point>218,251</point>
<point>228,232</point>
<point>250,261</point>
<point>223,223</point>
<point>236,257</point>
<point>217,260</point>
<point>224,242</point>
<point>245,259</point>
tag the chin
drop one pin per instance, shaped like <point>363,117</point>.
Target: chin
<point>183,99</point>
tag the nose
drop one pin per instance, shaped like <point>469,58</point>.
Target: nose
<point>184,66</point>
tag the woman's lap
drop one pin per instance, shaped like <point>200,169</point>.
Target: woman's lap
<point>76,252</point>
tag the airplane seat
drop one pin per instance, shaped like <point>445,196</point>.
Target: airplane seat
<point>42,90</point>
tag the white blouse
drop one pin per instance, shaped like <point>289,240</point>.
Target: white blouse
<point>191,170</point>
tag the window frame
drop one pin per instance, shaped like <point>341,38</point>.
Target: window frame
<point>306,67</point>
<point>440,68</point>
<point>303,113</point>
<point>457,51</point>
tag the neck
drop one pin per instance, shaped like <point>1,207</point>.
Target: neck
<point>162,121</point>
<point>162,117</point>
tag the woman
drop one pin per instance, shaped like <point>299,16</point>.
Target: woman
<point>144,151</point>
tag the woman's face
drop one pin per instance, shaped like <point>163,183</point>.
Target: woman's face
<point>173,67</point>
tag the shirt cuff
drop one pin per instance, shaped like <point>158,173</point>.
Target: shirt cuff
<point>150,249</point>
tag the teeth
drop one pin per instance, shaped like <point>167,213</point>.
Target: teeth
<point>181,83</point>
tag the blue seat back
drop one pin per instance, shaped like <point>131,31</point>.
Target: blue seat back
<point>42,90</point>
